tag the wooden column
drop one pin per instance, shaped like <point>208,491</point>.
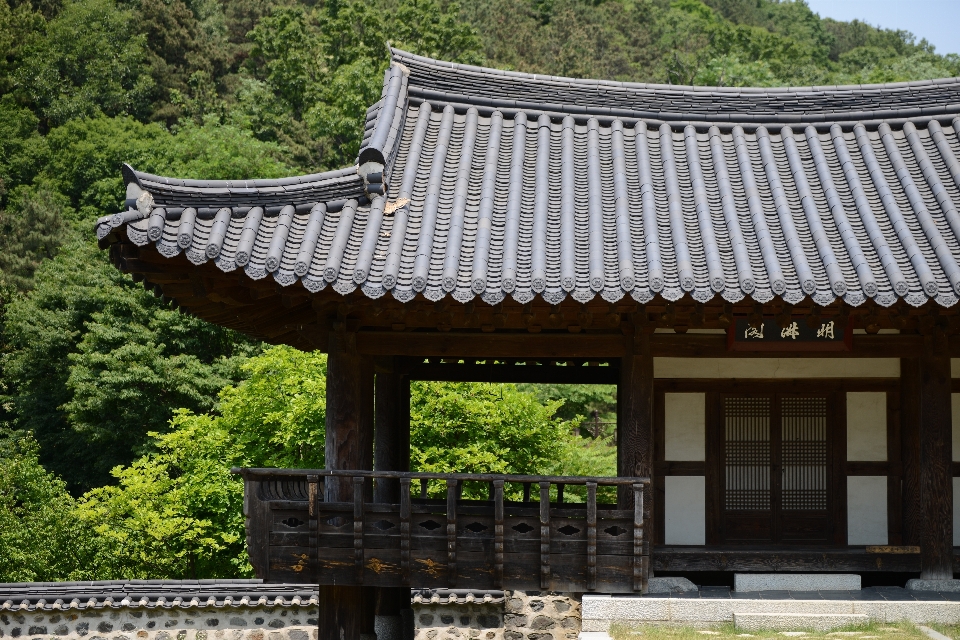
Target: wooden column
<point>635,423</point>
<point>391,452</point>
<point>927,454</point>
<point>936,454</point>
<point>346,613</point>
<point>911,507</point>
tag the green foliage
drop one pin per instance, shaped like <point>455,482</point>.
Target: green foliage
<point>95,363</point>
<point>86,155</point>
<point>40,537</point>
<point>87,61</point>
<point>31,231</point>
<point>324,68</point>
<point>178,512</point>
<point>23,151</point>
<point>579,401</point>
<point>277,414</point>
<point>484,428</point>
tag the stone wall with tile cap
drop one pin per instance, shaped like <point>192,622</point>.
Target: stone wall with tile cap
<point>138,623</point>
<point>457,614</point>
<point>534,615</point>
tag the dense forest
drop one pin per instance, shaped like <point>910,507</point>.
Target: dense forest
<point>119,416</point>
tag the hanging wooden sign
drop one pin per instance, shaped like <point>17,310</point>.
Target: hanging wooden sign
<point>797,335</point>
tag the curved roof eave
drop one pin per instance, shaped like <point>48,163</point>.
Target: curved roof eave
<point>813,200</point>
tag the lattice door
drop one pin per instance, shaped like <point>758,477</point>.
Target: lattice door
<point>775,469</point>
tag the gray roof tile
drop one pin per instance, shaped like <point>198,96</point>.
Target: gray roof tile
<point>554,198</point>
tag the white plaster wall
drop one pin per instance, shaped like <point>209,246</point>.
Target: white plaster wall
<point>684,510</point>
<point>955,367</point>
<point>866,510</point>
<point>685,431</point>
<point>955,420</point>
<point>776,368</point>
<point>866,426</point>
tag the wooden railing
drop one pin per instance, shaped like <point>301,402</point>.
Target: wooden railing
<point>408,538</point>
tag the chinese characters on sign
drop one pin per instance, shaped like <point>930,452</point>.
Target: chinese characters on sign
<point>797,335</point>
<point>826,330</point>
<point>791,331</point>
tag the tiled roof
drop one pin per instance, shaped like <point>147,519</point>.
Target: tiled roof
<point>502,184</point>
<point>183,594</point>
<point>165,594</point>
<point>456,596</point>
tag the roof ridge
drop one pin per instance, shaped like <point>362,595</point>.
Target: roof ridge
<point>399,56</point>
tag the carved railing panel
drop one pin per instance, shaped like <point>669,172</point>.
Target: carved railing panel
<point>531,544</point>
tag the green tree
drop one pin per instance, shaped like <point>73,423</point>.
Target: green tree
<point>94,363</point>
<point>178,512</point>
<point>31,231</point>
<point>23,151</point>
<point>40,537</point>
<point>484,428</point>
<point>88,61</point>
<point>86,156</point>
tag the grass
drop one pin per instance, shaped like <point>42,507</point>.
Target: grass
<point>949,630</point>
<point>871,631</point>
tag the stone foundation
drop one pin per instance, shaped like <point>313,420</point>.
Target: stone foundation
<point>533,615</point>
<point>127,623</point>
<point>477,621</point>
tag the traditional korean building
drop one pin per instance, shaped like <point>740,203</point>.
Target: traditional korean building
<point>769,276</point>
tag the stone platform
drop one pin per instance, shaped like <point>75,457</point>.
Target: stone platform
<point>783,610</point>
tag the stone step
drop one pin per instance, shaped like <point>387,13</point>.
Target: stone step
<point>600,611</point>
<point>797,621</point>
<point>796,582</point>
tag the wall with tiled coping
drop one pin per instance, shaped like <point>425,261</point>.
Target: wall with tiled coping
<point>520,616</point>
<point>129,623</point>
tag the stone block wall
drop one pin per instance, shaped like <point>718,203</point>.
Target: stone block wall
<point>476,621</point>
<point>136,623</point>
<point>533,615</point>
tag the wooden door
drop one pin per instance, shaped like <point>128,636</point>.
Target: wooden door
<point>775,470</point>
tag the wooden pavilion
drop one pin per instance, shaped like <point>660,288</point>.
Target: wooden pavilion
<point>769,276</point>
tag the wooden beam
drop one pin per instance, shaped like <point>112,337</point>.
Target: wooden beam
<point>487,345</point>
<point>463,344</point>
<point>514,373</point>
<point>776,385</point>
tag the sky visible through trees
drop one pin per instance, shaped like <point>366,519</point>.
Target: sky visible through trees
<point>119,416</point>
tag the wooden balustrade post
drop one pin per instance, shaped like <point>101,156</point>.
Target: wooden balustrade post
<point>346,612</point>
<point>452,496</point>
<point>591,536</point>
<point>544,535</point>
<point>498,530</point>
<point>635,424</point>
